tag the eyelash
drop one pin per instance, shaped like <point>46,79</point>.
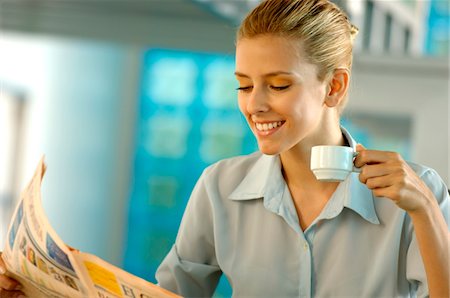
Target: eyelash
<point>243,88</point>
<point>276,88</point>
<point>279,88</point>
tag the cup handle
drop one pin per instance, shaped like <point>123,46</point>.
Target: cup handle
<point>355,169</point>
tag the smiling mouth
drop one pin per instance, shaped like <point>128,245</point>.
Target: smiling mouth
<point>268,126</point>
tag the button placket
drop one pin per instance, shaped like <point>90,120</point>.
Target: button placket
<point>305,246</point>
<point>306,267</point>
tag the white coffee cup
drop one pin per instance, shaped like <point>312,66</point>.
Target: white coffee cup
<point>332,163</point>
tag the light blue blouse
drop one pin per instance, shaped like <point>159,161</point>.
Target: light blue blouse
<point>241,221</point>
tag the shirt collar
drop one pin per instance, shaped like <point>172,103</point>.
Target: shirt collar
<point>265,181</point>
<point>360,199</point>
<point>357,196</point>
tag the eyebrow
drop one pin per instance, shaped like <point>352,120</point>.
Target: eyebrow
<point>270,74</point>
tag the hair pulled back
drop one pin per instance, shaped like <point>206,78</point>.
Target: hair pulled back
<point>324,30</point>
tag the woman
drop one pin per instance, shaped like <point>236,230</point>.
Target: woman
<point>266,222</point>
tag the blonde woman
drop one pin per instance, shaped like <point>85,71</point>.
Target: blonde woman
<point>264,220</point>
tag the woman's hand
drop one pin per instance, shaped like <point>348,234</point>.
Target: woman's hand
<point>9,288</point>
<point>388,175</point>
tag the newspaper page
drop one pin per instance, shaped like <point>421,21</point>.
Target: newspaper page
<point>110,281</point>
<point>36,256</point>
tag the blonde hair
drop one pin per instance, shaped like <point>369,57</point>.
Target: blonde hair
<point>322,27</point>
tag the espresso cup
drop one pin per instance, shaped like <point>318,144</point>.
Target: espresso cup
<point>332,163</point>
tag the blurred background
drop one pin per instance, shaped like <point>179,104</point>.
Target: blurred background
<point>130,100</point>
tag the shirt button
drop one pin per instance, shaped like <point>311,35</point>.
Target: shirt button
<point>305,246</point>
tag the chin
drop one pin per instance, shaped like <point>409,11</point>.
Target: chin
<point>269,150</point>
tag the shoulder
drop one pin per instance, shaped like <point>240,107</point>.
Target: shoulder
<point>426,173</point>
<point>421,170</point>
<point>224,176</point>
<point>432,179</point>
<point>237,166</point>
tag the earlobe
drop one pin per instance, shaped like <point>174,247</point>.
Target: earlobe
<point>337,87</point>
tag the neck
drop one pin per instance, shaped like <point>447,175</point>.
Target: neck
<point>296,161</point>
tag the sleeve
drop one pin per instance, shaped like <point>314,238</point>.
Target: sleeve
<point>415,271</point>
<point>190,268</point>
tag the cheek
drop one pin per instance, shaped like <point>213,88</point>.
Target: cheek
<point>302,111</point>
<point>293,106</point>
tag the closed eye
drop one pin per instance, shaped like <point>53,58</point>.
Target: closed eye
<point>245,88</point>
<point>279,88</point>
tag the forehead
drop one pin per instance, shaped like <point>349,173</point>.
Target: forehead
<point>268,53</point>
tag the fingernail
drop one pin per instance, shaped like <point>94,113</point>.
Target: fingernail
<point>2,270</point>
<point>18,287</point>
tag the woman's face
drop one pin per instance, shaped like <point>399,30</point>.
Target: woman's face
<point>279,93</point>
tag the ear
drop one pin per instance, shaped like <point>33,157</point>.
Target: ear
<point>337,87</point>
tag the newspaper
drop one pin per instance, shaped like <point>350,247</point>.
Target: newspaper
<point>47,267</point>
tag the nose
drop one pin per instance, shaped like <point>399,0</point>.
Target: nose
<point>257,101</point>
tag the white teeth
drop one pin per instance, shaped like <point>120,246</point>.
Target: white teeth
<point>267,126</point>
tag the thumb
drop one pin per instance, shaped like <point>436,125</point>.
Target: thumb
<point>2,265</point>
<point>72,249</point>
<point>360,147</point>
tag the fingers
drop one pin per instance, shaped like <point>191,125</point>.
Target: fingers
<point>11,294</point>
<point>379,169</point>
<point>360,147</point>
<point>71,248</point>
<point>371,171</point>
<point>377,174</point>
<point>387,175</point>
<point>378,183</point>
<point>2,265</point>
<point>369,157</point>
<point>9,284</point>
<point>8,287</point>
